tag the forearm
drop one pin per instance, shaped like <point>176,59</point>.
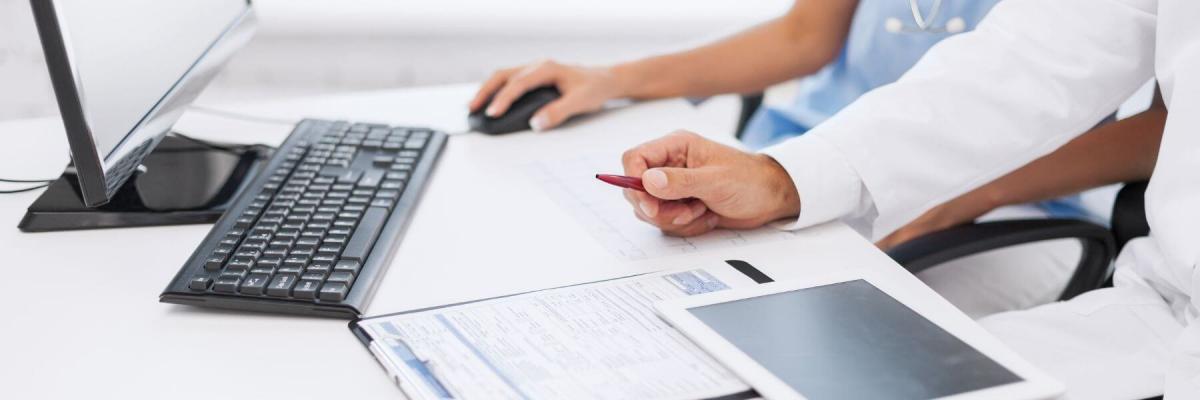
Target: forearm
<point>1121,151</point>
<point>798,43</point>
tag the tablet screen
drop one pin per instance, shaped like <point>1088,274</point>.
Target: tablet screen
<point>850,340</point>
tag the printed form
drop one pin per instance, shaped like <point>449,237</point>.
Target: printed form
<point>599,341</point>
<point>603,212</point>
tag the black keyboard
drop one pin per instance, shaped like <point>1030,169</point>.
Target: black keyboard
<point>315,232</point>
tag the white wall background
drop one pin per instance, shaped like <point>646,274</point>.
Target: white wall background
<point>313,46</point>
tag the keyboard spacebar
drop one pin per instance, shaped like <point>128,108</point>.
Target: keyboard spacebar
<point>364,237</point>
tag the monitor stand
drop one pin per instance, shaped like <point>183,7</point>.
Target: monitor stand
<point>183,182</point>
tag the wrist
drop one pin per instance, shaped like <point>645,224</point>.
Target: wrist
<point>784,197</point>
<point>624,79</point>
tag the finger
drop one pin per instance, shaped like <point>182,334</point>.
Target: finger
<point>666,215</point>
<point>489,87</point>
<point>669,150</point>
<point>893,240</point>
<point>521,82</point>
<point>672,213</point>
<point>648,205</point>
<point>673,183</point>
<point>704,224</point>
<point>886,243</point>
<point>689,210</point>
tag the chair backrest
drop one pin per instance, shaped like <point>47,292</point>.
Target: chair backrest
<point>751,102</point>
<point>1129,213</point>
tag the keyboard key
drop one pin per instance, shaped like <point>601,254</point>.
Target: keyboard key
<point>281,286</point>
<point>341,276</point>
<point>334,291</point>
<point>262,270</point>
<point>325,258</point>
<point>255,284</point>
<point>323,267</point>
<point>239,274</point>
<point>248,252</point>
<point>412,144</point>
<point>364,237</point>
<point>350,176</point>
<point>347,266</point>
<point>275,251</point>
<point>383,203</point>
<point>289,270</point>
<point>239,264</point>
<point>200,282</point>
<point>371,179</point>
<point>214,263</point>
<point>225,284</point>
<point>306,289</point>
<point>307,243</point>
<point>296,260</point>
<point>223,250</point>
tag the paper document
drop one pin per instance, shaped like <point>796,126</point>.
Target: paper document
<point>593,341</point>
<point>604,213</point>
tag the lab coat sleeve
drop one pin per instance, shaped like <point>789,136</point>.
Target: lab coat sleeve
<point>1033,75</point>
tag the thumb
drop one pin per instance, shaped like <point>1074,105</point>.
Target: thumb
<point>556,112</point>
<point>681,183</point>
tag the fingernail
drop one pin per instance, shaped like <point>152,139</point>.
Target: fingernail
<point>493,111</point>
<point>712,221</point>
<point>682,219</point>
<point>655,178</point>
<point>647,209</point>
<point>539,122</point>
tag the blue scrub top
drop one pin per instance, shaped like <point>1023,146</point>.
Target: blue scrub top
<point>872,57</point>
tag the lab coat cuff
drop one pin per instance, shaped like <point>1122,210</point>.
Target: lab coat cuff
<point>829,187</point>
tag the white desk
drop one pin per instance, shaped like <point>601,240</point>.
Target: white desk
<point>81,317</point>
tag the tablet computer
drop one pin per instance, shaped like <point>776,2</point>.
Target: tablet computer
<point>846,336</point>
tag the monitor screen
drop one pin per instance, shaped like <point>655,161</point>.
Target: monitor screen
<point>851,340</point>
<point>133,66</point>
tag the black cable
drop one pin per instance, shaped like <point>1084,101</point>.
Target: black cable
<point>23,190</point>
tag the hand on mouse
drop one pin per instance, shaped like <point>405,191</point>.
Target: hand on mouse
<point>583,89</point>
<point>695,185</point>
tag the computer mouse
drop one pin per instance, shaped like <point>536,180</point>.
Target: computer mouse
<point>518,115</point>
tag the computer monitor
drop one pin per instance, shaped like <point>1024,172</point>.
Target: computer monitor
<point>124,71</point>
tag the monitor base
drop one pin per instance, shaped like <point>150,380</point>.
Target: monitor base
<point>184,182</point>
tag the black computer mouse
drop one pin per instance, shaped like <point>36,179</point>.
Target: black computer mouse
<point>518,115</point>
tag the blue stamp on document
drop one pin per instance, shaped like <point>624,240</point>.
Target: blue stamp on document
<point>696,281</point>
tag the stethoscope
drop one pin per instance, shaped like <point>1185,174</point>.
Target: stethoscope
<point>954,25</point>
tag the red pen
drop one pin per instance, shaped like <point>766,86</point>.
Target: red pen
<point>627,182</point>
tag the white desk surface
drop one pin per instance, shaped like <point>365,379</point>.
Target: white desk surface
<point>81,315</point>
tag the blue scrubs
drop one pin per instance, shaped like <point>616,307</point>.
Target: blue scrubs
<point>872,57</point>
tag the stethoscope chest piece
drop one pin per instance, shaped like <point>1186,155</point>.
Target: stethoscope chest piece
<point>924,23</point>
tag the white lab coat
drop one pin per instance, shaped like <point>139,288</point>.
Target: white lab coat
<point>1035,74</point>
